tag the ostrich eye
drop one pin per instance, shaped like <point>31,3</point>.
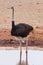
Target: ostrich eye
<point>12,7</point>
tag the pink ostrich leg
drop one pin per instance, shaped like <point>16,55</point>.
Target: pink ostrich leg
<point>27,52</point>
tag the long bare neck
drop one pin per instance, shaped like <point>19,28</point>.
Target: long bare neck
<point>13,23</point>
<point>12,13</point>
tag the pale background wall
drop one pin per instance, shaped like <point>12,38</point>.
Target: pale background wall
<point>11,57</point>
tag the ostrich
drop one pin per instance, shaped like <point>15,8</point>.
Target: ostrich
<point>21,31</point>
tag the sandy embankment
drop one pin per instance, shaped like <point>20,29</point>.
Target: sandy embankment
<point>9,42</point>
<point>26,11</point>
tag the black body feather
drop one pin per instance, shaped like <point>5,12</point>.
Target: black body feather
<point>21,29</point>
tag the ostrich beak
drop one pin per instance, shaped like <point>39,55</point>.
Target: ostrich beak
<point>11,7</point>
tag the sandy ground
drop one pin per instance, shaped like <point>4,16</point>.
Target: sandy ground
<point>35,39</point>
<point>26,11</point>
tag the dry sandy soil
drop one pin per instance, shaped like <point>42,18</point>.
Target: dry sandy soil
<point>26,11</point>
<point>35,39</point>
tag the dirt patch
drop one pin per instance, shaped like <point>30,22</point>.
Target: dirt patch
<point>35,39</point>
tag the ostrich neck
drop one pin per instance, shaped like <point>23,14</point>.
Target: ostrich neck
<point>13,25</point>
<point>12,14</point>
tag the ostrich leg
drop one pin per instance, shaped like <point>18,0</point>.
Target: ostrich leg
<point>20,52</point>
<point>27,52</point>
